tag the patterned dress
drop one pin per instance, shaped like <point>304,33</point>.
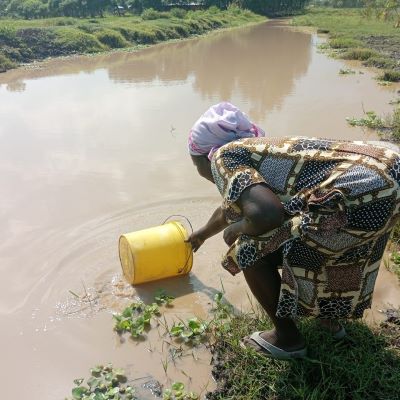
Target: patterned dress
<point>341,201</point>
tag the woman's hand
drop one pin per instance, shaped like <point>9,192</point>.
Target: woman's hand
<point>231,233</point>
<point>196,239</point>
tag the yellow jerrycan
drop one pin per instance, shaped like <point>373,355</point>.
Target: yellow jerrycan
<point>155,253</point>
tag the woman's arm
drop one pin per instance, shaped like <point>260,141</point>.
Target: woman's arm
<point>262,211</point>
<point>215,224</point>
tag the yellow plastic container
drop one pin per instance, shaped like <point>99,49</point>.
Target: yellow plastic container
<point>155,253</point>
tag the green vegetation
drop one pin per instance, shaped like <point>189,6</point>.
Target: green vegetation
<point>136,317</point>
<point>370,120</point>
<point>388,127</point>
<point>105,383</point>
<point>178,392</point>
<point>356,35</point>
<point>191,331</point>
<point>346,71</point>
<point>363,366</point>
<point>23,41</point>
<point>391,76</point>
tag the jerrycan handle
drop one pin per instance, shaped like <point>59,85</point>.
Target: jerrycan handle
<point>184,268</point>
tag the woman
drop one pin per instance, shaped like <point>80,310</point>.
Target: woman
<point>322,210</point>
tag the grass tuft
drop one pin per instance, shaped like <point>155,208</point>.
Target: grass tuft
<point>6,63</point>
<point>111,38</point>
<point>365,366</point>
<point>344,43</point>
<point>361,54</point>
<point>390,76</point>
<point>380,62</point>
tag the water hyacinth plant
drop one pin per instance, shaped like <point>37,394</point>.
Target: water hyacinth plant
<point>136,317</point>
<point>192,331</point>
<point>105,383</point>
<point>177,392</point>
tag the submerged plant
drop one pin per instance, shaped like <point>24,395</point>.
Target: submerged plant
<point>105,383</point>
<point>178,392</point>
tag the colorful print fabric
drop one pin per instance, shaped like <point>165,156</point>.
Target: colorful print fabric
<point>341,201</point>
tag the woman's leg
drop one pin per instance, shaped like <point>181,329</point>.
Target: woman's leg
<point>264,282</point>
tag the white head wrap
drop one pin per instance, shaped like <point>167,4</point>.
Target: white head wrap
<point>220,124</point>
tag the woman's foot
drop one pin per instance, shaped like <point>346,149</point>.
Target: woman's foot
<point>286,342</point>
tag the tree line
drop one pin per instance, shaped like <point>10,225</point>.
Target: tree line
<point>31,9</point>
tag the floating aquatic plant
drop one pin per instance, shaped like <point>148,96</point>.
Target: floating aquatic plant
<point>193,330</point>
<point>370,120</point>
<point>136,317</point>
<point>161,297</point>
<point>105,383</point>
<point>178,392</point>
<point>346,71</point>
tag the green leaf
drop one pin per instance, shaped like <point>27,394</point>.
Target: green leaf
<point>187,334</point>
<point>127,312</point>
<point>113,391</point>
<point>193,396</point>
<point>218,297</point>
<point>79,392</point>
<point>119,372</point>
<point>93,382</point>
<point>96,371</point>
<point>178,386</point>
<point>177,329</point>
<point>194,323</point>
<point>78,381</point>
<point>100,396</point>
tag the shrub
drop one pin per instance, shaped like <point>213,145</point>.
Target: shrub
<point>65,21</point>
<point>343,43</point>
<point>213,10</point>
<point>380,62</point>
<point>111,38</point>
<point>178,12</point>
<point>8,36</point>
<point>359,54</point>
<point>151,13</point>
<point>70,40</point>
<point>39,40</point>
<point>88,28</point>
<point>390,76</point>
<point>6,63</point>
<point>234,9</point>
<point>128,33</point>
<point>396,123</point>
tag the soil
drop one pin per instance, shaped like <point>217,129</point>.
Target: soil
<point>387,45</point>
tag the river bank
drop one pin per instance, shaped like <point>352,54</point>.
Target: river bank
<point>354,36</point>
<point>25,41</point>
<point>375,43</point>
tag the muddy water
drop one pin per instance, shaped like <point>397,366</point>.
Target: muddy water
<point>92,147</point>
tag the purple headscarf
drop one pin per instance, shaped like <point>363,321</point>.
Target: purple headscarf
<point>220,124</point>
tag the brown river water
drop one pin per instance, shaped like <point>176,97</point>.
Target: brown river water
<point>92,147</point>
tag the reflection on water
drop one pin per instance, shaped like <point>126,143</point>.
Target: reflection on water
<point>92,147</point>
<point>259,63</point>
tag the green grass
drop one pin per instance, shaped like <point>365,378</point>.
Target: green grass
<point>355,36</point>
<point>390,76</point>
<point>24,41</point>
<point>364,366</point>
